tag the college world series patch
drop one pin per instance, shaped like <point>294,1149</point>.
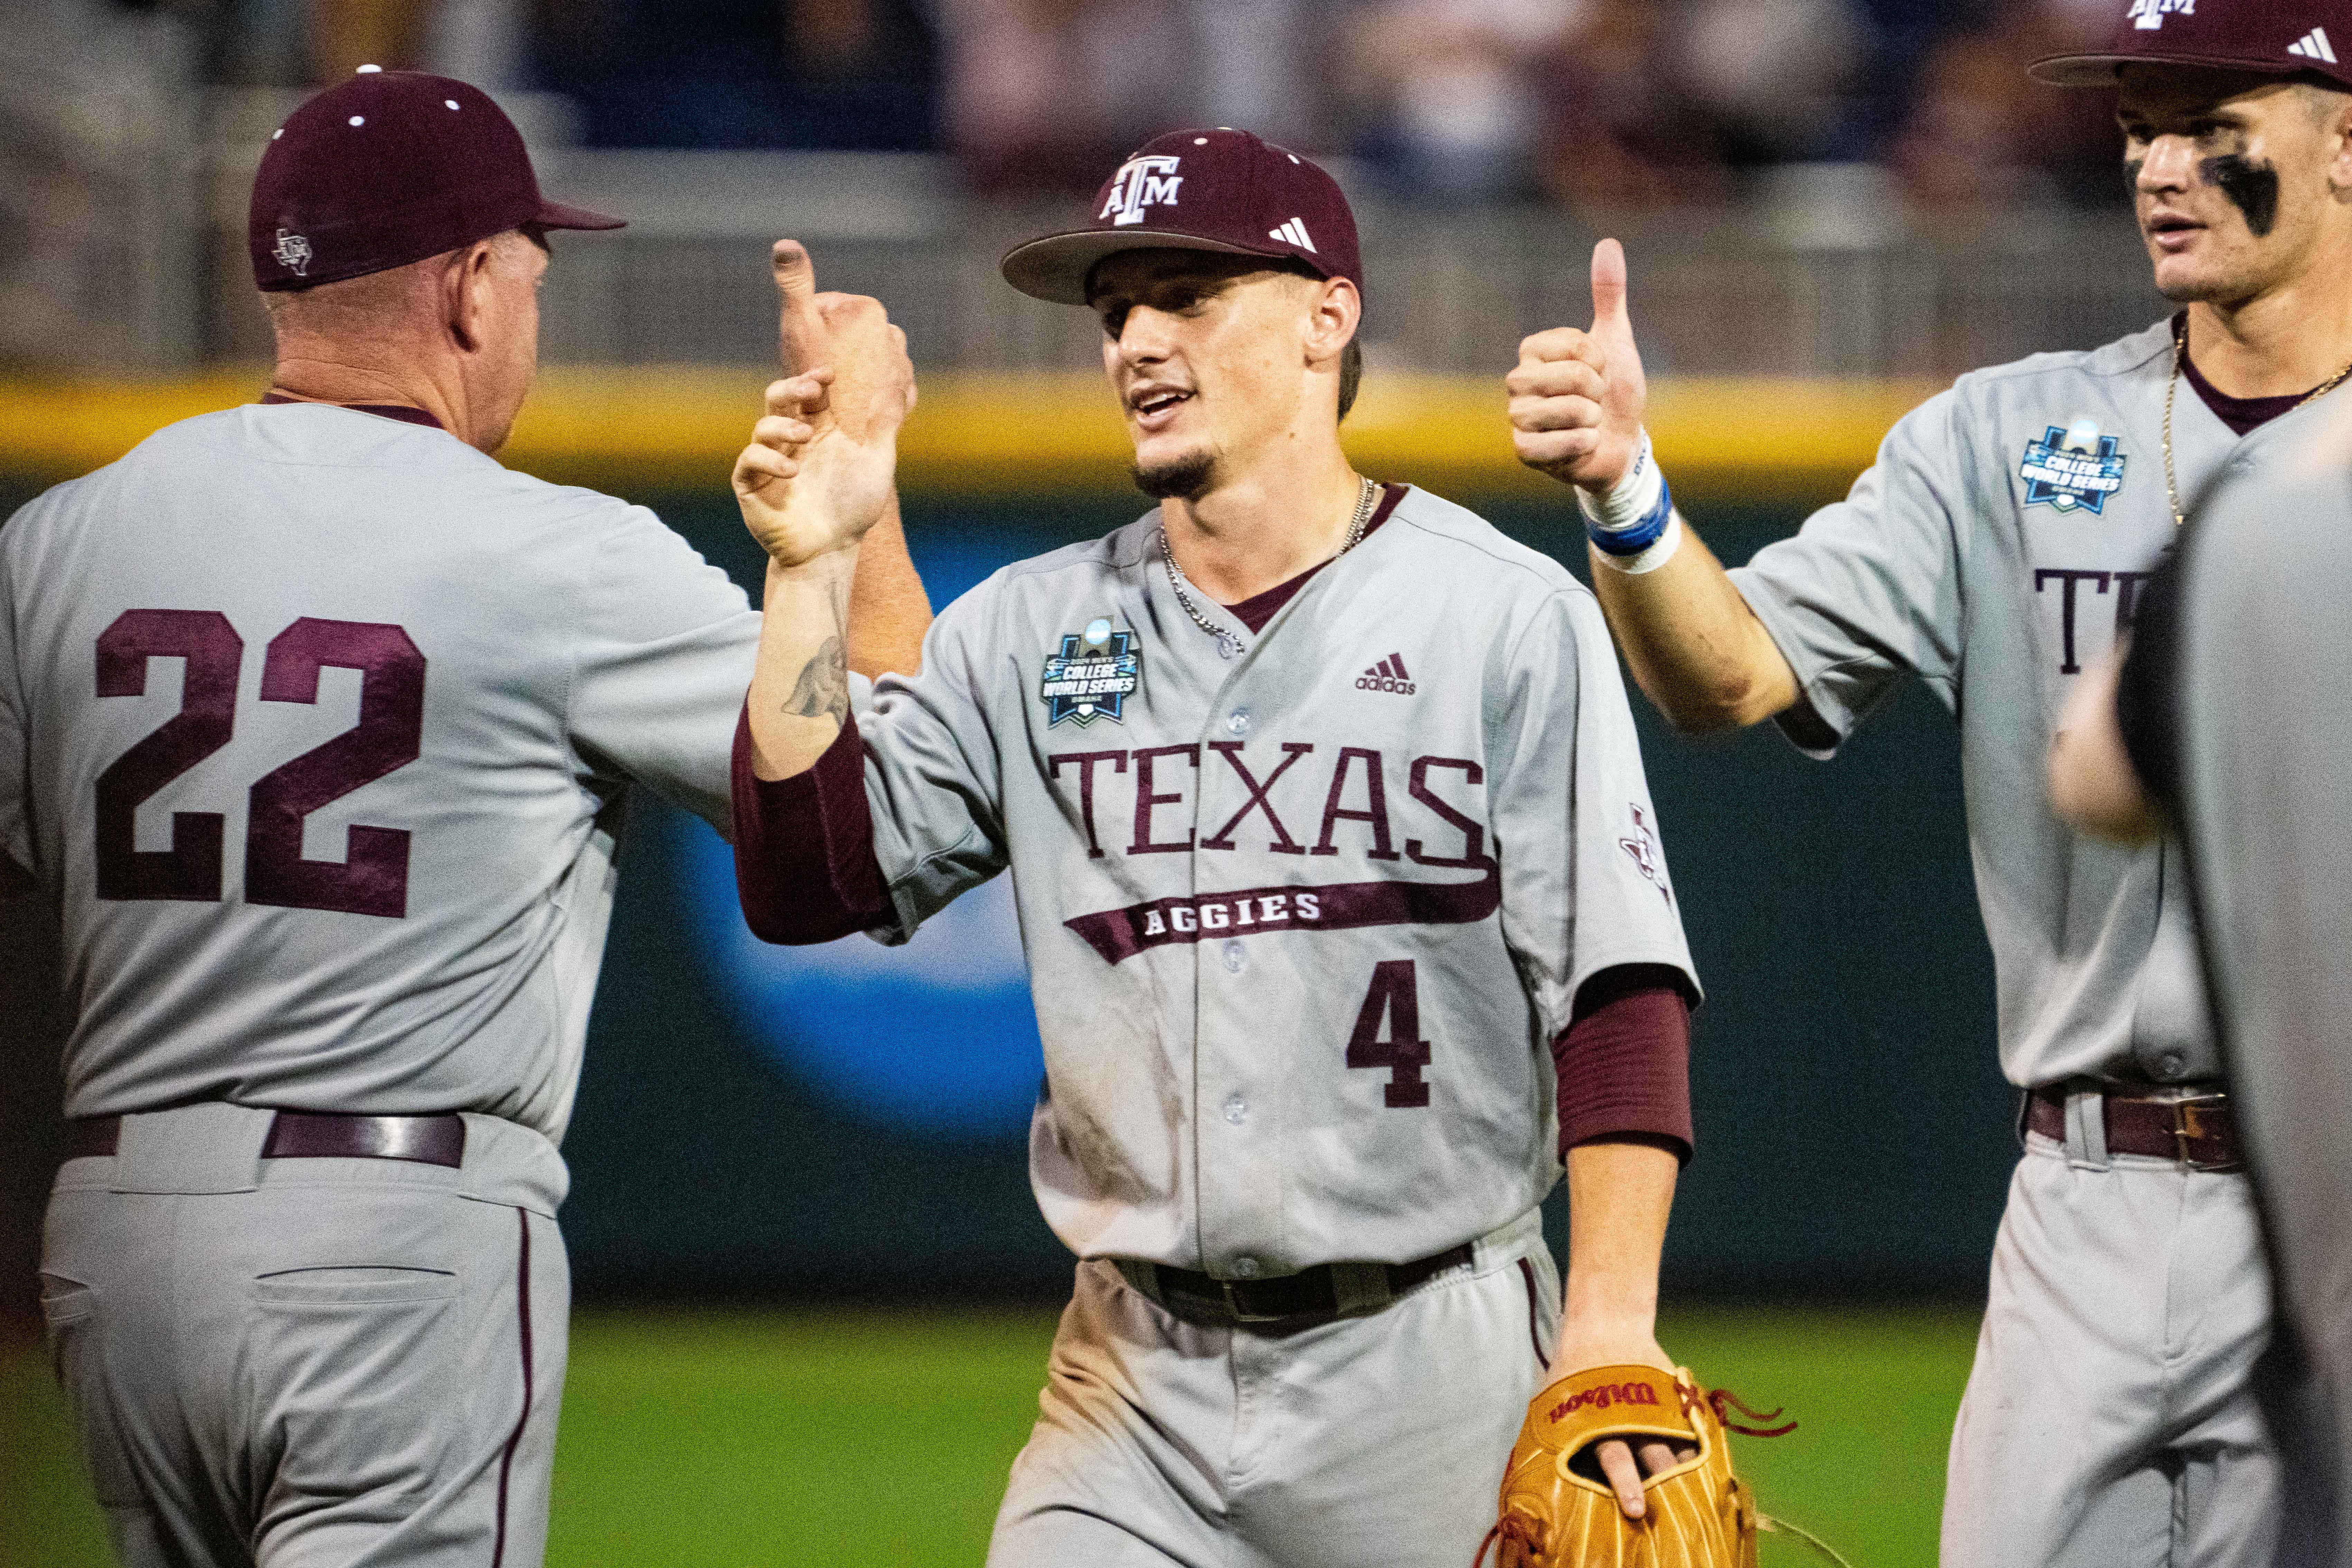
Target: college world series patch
<point>2075,466</point>
<point>1093,675</point>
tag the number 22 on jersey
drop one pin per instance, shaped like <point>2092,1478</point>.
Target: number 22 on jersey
<point>373,880</point>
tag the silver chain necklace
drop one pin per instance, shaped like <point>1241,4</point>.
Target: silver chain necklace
<point>1228,644</point>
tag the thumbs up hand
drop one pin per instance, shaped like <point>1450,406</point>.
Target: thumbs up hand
<point>851,334</point>
<point>1577,397</point>
<point>822,458</point>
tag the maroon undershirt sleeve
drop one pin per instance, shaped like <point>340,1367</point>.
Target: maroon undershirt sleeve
<point>805,864</point>
<point>1624,1061</point>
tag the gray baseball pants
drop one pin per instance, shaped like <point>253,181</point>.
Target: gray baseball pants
<point>2110,1421</point>
<point>311,1362</point>
<point>1379,1439</point>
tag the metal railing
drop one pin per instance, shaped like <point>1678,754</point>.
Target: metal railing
<point>1822,274</point>
<point>98,190</point>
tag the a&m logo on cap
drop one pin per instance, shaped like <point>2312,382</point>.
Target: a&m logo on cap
<point>293,253</point>
<point>1141,182</point>
<point>2075,466</point>
<point>2148,16</point>
<point>1093,675</point>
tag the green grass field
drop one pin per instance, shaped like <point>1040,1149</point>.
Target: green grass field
<point>775,1440</point>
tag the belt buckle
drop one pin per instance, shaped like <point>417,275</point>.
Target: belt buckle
<point>2188,1126</point>
<point>1241,1314</point>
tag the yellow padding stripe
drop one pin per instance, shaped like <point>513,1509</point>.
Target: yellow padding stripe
<point>681,426</point>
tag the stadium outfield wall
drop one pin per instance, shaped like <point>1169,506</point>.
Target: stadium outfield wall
<point>1010,434</point>
<point>850,1120</point>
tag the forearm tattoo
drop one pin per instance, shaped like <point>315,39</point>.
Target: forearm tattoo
<point>822,690</point>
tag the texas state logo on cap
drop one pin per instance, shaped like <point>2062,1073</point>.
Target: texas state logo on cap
<point>1221,190</point>
<point>2276,37</point>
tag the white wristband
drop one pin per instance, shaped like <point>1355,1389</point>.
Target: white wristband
<point>1631,504</point>
<point>1656,556</point>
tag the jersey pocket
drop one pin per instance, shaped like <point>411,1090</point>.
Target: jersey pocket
<point>77,1349</point>
<point>353,1381</point>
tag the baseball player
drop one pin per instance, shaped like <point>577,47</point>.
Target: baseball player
<point>1996,550</point>
<point>1341,890</point>
<point>2231,706</point>
<point>317,724</point>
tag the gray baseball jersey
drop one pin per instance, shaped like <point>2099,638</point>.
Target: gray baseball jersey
<point>1995,550</point>
<point>2244,679</point>
<point>317,725</point>
<point>1301,922</point>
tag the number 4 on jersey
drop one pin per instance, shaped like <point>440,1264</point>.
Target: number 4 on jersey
<point>1394,999</point>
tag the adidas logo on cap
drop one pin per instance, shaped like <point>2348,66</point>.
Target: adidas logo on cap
<point>2314,45</point>
<point>1388,675</point>
<point>1294,232</point>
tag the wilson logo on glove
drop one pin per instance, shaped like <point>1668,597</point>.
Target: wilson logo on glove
<point>1556,1510</point>
<point>1602,1397</point>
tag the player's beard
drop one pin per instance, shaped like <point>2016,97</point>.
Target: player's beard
<point>1187,477</point>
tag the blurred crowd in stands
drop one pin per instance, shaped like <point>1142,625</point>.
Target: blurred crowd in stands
<point>1606,103</point>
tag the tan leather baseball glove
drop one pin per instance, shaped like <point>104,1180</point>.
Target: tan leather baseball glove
<point>1557,1510</point>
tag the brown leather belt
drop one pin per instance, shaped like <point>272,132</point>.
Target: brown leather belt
<point>2197,1129</point>
<point>1288,1304</point>
<point>315,1136</point>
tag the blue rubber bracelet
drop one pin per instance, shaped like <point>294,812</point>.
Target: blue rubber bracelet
<point>1642,535</point>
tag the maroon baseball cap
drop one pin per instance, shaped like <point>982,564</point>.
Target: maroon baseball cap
<point>388,168</point>
<point>2277,38</point>
<point>1219,190</point>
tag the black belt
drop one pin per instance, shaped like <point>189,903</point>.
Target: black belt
<point>2196,1127</point>
<point>1291,1302</point>
<point>315,1136</point>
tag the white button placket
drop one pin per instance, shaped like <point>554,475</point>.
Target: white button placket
<point>1241,1193</point>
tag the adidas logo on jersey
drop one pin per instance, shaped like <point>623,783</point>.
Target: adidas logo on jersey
<point>2314,45</point>
<point>1388,675</point>
<point>1294,232</point>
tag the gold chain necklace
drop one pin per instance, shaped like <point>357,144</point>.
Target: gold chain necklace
<point>2172,387</point>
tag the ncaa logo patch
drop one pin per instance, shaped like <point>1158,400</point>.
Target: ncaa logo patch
<point>2077,467</point>
<point>1141,182</point>
<point>1093,675</point>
